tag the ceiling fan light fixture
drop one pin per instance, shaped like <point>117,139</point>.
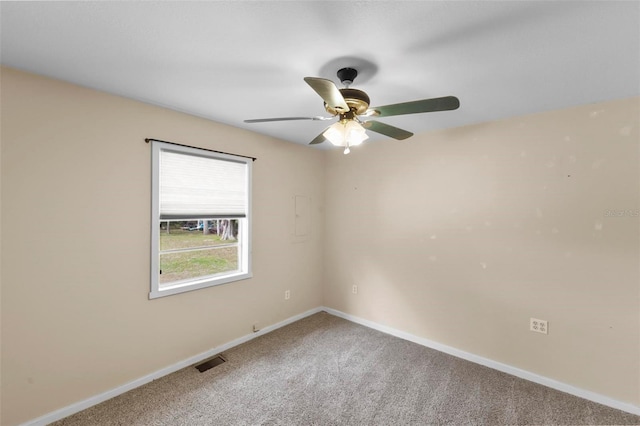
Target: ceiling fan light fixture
<point>350,133</point>
<point>355,133</point>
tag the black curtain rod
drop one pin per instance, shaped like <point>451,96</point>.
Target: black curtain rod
<point>147,140</point>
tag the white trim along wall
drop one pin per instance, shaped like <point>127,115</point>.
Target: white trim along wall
<point>554,384</point>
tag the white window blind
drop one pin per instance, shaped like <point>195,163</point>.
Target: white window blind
<point>195,187</point>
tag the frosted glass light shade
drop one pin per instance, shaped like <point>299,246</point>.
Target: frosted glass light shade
<point>355,133</point>
<point>350,133</point>
<point>335,134</point>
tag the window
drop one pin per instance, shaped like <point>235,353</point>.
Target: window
<point>201,219</point>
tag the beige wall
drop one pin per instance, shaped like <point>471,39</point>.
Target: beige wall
<point>76,319</point>
<point>460,236</point>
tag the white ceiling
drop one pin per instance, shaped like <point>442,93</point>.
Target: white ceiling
<point>233,60</point>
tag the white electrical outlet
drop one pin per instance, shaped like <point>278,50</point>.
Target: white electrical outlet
<point>354,289</point>
<point>287,294</point>
<point>538,325</point>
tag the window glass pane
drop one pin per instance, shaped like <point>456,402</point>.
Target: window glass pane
<point>175,266</point>
<point>191,249</point>
<point>184,234</point>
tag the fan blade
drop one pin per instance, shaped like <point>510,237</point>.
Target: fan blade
<point>446,103</point>
<point>329,92</point>
<point>319,139</point>
<point>264,120</point>
<point>387,130</point>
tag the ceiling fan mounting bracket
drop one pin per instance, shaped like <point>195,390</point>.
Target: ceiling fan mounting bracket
<point>347,75</point>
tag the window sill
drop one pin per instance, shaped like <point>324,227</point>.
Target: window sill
<point>198,284</point>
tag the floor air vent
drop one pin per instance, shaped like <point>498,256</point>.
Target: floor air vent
<point>210,363</point>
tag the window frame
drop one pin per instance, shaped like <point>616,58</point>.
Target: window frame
<point>244,232</point>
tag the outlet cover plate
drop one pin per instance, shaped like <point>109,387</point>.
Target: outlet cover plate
<point>539,325</point>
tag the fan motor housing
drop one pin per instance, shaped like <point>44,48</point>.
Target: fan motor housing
<point>357,100</point>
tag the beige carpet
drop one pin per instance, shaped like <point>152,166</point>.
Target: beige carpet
<point>324,370</point>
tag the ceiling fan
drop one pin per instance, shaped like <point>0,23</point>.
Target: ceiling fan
<point>350,105</point>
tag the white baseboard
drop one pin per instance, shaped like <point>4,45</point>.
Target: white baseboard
<point>514,371</point>
<point>554,384</point>
<point>89,402</point>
